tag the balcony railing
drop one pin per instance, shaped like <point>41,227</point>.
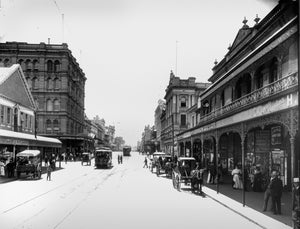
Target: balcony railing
<point>260,94</point>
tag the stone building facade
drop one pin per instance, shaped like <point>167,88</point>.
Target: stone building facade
<point>249,115</point>
<point>57,84</point>
<point>180,97</point>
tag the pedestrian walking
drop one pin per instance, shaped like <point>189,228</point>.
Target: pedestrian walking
<point>267,194</point>
<point>121,159</point>
<point>49,170</point>
<point>145,163</point>
<point>276,188</point>
<point>118,159</point>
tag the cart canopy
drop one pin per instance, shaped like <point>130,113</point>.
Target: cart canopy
<point>29,153</point>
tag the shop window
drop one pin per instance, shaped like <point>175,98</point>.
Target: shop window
<point>25,120</point>
<point>30,122</point>
<point>2,114</point>
<point>8,118</point>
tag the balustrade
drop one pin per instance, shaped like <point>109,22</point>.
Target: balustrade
<point>274,88</point>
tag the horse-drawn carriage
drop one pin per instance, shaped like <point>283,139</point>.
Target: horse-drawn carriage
<point>187,172</point>
<point>165,166</point>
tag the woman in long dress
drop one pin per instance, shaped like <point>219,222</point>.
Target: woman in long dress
<point>236,177</point>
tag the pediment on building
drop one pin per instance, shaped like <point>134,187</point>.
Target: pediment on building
<point>14,87</point>
<point>243,32</point>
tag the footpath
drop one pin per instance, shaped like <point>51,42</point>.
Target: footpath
<point>257,217</point>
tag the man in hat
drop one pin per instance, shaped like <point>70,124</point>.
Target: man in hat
<point>276,188</point>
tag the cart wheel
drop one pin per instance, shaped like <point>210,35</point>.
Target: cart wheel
<point>178,183</point>
<point>173,180</point>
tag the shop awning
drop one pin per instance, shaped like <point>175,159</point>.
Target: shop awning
<point>8,137</point>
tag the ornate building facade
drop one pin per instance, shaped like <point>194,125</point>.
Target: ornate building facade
<point>249,115</point>
<point>57,84</point>
<point>179,97</point>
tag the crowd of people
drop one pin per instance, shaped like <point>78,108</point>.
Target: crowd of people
<point>256,181</point>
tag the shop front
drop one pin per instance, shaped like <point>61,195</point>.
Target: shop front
<point>11,143</point>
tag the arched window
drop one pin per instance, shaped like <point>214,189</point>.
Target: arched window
<point>21,63</point>
<point>56,83</point>
<point>243,86</point>
<point>182,102</point>
<point>273,71</point>
<point>6,63</point>
<point>72,128</point>
<point>56,66</point>
<point>56,105</point>
<point>34,83</point>
<point>35,65</point>
<point>49,105</point>
<point>259,78</point>
<point>49,66</point>
<point>56,125</point>
<point>48,83</point>
<point>48,126</point>
<point>27,65</point>
<point>28,82</point>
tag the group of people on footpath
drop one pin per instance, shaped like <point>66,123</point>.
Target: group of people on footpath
<point>120,159</point>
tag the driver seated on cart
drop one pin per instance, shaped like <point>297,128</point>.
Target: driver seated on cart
<point>185,168</point>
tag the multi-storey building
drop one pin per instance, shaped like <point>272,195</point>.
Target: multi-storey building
<point>157,123</point>
<point>57,84</point>
<point>17,118</point>
<point>180,97</point>
<point>249,115</point>
<point>148,143</point>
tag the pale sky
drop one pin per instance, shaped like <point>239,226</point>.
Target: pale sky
<point>127,48</point>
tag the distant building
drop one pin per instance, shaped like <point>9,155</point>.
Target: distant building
<point>57,84</point>
<point>157,123</point>
<point>180,97</point>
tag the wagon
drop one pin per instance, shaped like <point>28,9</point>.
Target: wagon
<point>29,162</point>
<point>103,158</point>
<point>156,160</point>
<point>165,166</point>
<point>86,157</point>
<point>182,171</point>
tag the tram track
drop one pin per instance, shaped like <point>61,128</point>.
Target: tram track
<point>52,190</point>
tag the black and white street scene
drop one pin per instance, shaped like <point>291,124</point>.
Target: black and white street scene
<point>147,114</point>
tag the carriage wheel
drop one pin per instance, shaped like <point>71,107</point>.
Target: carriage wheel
<point>177,183</point>
<point>173,180</point>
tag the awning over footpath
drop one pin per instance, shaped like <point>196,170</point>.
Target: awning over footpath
<point>8,137</point>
